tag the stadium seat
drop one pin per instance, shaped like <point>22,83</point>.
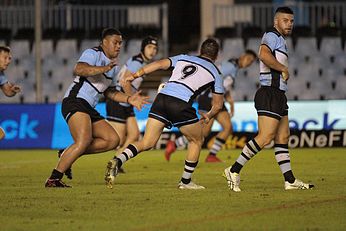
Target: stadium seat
<point>326,31</point>
<point>133,46</point>
<point>232,47</point>
<point>299,32</point>
<point>294,88</point>
<point>254,44</point>
<point>20,48</point>
<point>306,47</point>
<point>88,43</point>
<point>66,48</point>
<point>308,72</point>
<point>244,90</point>
<point>339,91</point>
<point>331,46</point>
<point>251,32</point>
<point>46,48</point>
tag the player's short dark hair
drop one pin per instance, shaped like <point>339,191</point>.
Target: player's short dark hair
<point>210,48</point>
<point>284,9</point>
<point>5,49</point>
<point>251,52</point>
<point>109,31</point>
<point>149,40</point>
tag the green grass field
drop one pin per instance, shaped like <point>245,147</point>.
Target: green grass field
<point>147,198</point>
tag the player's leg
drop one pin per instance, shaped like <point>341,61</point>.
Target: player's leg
<point>282,157</point>
<point>81,130</point>
<point>267,128</point>
<point>132,133</point>
<point>129,133</point>
<point>151,136</point>
<point>120,129</point>
<point>224,120</point>
<point>182,141</point>
<point>105,138</point>
<point>194,134</point>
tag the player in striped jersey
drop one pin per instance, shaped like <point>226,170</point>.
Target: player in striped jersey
<point>95,76</point>
<point>121,115</point>
<point>271,104</point>
<point>173,107</point>
<point>229,69</point>
<point>9,89</point>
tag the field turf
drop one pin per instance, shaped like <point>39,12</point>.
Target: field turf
<point>147,198</point>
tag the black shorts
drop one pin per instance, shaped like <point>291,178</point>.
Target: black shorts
<point>117,112</point>
<point>173,111</point>
<point>204,102</point>
<point>271,102</point>
<point>72,105</point>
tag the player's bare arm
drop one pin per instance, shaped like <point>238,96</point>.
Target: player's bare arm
<point>127,85</point>
<point>162,64</point>
<point>265,55</point>
<point>217,103</point>
<point>10,89</point>
<point>136,100</point>
<point>229,99</point>
<point>84,69</point>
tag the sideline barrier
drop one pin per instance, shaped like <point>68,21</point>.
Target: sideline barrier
<point>313,124</point>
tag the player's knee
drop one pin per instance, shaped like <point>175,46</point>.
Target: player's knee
<point>197,140</point>
<point>81,146</point>
<point>112,142</point>
<point>264,139</point>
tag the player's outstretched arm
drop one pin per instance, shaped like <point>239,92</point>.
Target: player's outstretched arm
<point>136,100</point>
<point>162,64</point>
<point>265,55</point>
<point>10,89</point>
<point>229,99</point>
<point>84,69</point>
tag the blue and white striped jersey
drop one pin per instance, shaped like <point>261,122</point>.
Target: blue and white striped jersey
<point>3,78</point>
<point>191,75</point>
<point>229,70</point>
<point>91,88</point>
<point>277,44</point>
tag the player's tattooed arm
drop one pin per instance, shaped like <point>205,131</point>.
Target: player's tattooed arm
<point>84,69</point>
<point>136,100</point>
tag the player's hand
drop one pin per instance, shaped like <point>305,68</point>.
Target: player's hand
<point>126,78</point>
<point>204,118</point>
<point>231,113</point>
<point>111,64</point>
<point>285,74</point>
<point>137,100</point>
<point>14,88</point>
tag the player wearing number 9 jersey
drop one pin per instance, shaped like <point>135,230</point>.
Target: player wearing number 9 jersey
<point>173,107</point>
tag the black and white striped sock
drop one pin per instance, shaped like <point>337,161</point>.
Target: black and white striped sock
<point>128,153</point>
<point>217,145</point>
<point>250,150</point>
<point>188,170</point>
<point>282,156</point>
